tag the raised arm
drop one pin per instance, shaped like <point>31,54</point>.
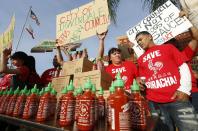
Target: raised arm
<point>101,38</point>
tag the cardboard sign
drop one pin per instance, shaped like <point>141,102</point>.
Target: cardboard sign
<point>163,24</point>
<point>82,22</point>
<point>6,38</point>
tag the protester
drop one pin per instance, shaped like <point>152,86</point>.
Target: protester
<point>19,60</point>
<point>47,75</point>
<point>33,77</point>
<point>168,82</point>
<point>127,69</point>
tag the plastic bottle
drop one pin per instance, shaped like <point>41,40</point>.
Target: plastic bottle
<point>44,105</point>
<point>101,104</point>
<point>94,67</point>
<point>63,92</point>
<point>53,102</point>
<point>138,115</point>
<point>85,54</point>
<point>67,107</point>
<point>31,104</point>
<point>86,108</point>
<point>121,107</point>
<point>6,103</point>
<point>12,102</point>
<point>110,103</point>
<point>93,90</point>
<point>79,94</point>
<point>100,64</point>
<point>3,99</point>
<point>20,103</point>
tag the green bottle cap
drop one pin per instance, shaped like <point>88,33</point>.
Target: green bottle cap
<point>41,92</point>
<point>53,92</point>
<point>64,91</point>
<point>70,86</point>
<point>118,82</point>
<point>101,91</point>
<point>25,89</point>
<point>79,90</point>
<point>28,92</point>
<point>88,84</point>
<point>11,92</point>
<point>112,87</point>
<point>93,89</point>
<point>75,93</point>
<point>17,91</point>
<point>47,89</point>
<point>34,90</point>
<point>135,86</point>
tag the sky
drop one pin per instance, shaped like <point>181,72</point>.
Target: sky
<point>129,13</point>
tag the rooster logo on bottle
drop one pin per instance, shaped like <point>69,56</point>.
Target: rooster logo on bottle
<point>155,67</point>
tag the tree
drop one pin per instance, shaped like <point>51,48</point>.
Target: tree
<point>113,5</point>
<point>154,4</point>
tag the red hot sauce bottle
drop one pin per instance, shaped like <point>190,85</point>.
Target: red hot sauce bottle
<point>138,114</point>
<point>101,104</point>
<point>86,109</point>
<point>121,107</point>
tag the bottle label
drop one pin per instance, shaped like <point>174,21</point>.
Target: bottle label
<point>138,116</point>
<point>113,118</point>
<point>67,110</point>
<point>86,112</point>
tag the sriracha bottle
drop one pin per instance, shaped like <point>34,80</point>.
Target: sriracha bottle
<point>64,91</point>
<point>93,90</point>
<point>79,92</point>
<point>3,100</point>
<point>67,107</point>
<point>20,103</point>
<point>110,103</point>
<point>121,107</point>
<point>7,100</point>
<point>53,102</point>
<point>12,102</point>
<point>101,104</point>
<point>31,104</point>
<point>43,109</point>
<point>86,109</point>
<point>138,115</point>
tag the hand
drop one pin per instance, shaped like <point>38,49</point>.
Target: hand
<point>7,53</point>
<point>183,13</point>
<point>141,83</point>
<point>102,35</point>
<point>180,96</point>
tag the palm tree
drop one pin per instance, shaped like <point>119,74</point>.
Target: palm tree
<point>154,4</point>
<point>113,5</point>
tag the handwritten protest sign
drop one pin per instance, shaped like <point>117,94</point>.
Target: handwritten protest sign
<point>82,22</point>
<point>6,38</point>
<point>163,24</point>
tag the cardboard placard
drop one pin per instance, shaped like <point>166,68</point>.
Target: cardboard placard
<point>163,24</point>
<point>76,66</point>
<point>82,22</point>
<point>97,77</point>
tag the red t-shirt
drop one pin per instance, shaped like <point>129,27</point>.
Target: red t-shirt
<point>189,53</point>
<point>47,76</point>
<point>128,72</point>
<point>159,65</point>
<point>5,81</point>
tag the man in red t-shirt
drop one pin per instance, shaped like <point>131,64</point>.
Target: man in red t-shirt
<point>47,75</point>
<point>168,82</point>
<point>127,69</point>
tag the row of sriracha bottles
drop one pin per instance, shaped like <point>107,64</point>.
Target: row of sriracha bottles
<point>124,111</point>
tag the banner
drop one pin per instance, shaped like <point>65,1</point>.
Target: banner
<point>82,22</point>
<point>163,24</point>
<point>6,38</point>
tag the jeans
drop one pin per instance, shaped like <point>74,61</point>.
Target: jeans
<point>195,101</point>
<point>180,114</point>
